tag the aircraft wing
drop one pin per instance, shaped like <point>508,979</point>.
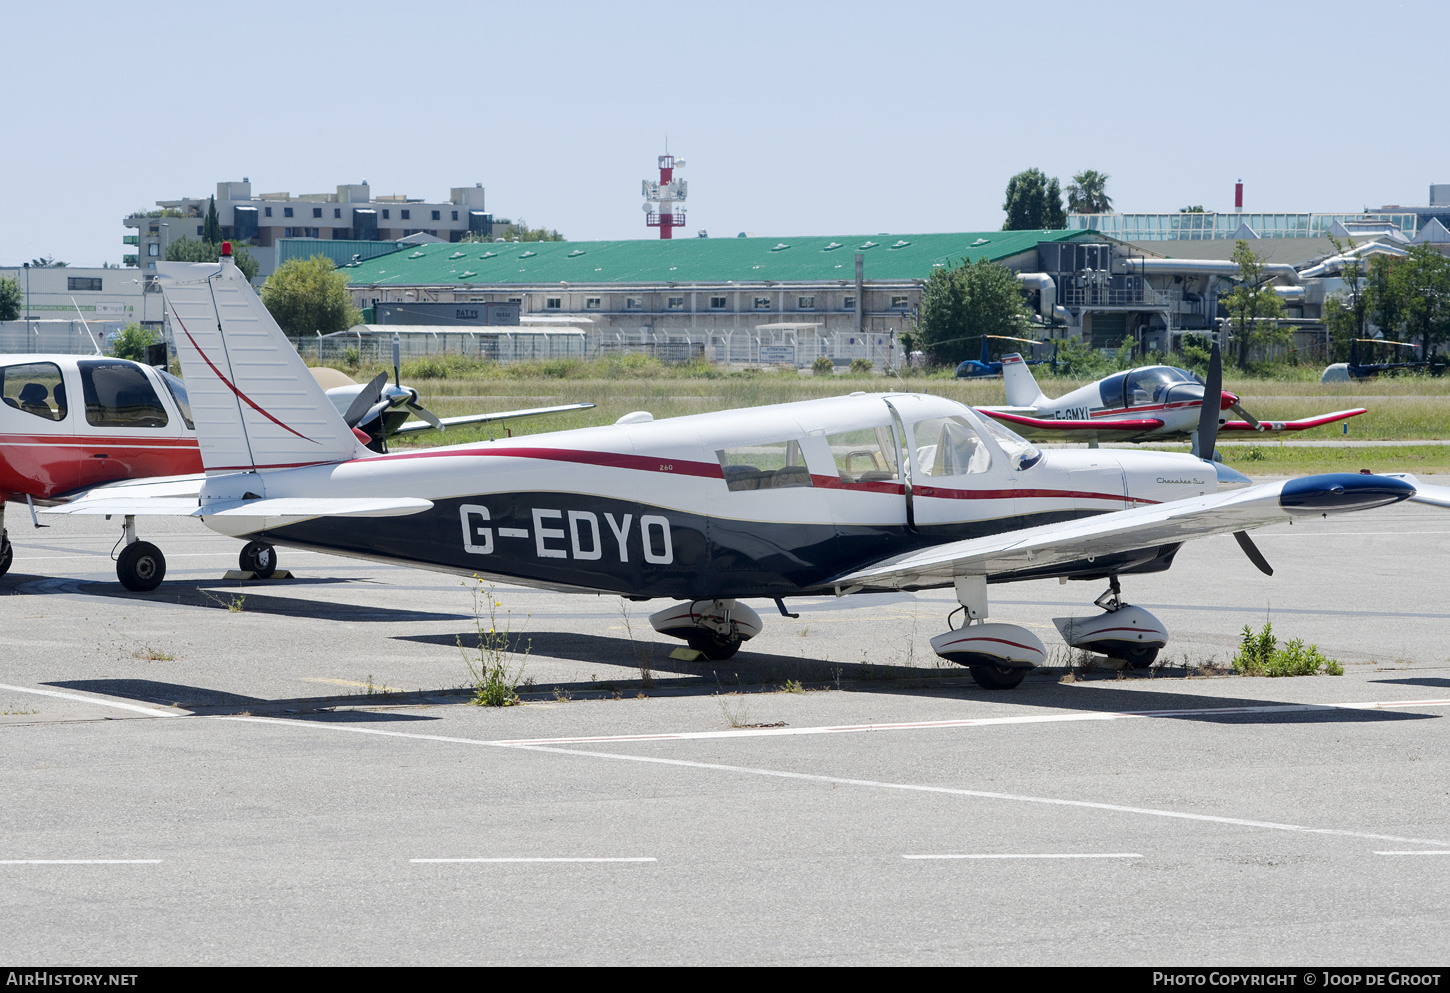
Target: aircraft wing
<point>1130,530</point>
<point>1435,496</point>
<point>1047,429</point>
<point>506,415</point>
<point>1301,424</point>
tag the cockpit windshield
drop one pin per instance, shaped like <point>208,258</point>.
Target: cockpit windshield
<point>1021,453</point>
<point>1140,387</point>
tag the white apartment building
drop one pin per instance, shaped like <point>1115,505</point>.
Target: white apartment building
<point>352,213</point>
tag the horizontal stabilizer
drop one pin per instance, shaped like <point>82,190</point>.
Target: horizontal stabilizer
<point>504,415</point>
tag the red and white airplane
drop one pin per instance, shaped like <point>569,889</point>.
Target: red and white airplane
<point>868,492</point>
<point>133,421</point>
<point>1150,403</point>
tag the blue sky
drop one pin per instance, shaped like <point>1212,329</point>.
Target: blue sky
<point>795,118</point>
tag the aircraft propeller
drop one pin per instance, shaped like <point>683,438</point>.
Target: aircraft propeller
<point>412,395</point>
<point>362,407</point>
<point>1206,437</point>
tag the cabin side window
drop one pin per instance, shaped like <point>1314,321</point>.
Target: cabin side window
<point>865,456</point>
<point>36,388</point>
<point>949,446</point>
<point>118,395</point>
<point>773,465</point>
<point>178,393</point>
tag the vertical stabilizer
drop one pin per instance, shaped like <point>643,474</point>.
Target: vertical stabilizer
<point>254,403</point>
<point>1022,389</point>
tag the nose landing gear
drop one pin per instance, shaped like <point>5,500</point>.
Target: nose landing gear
<point>1121,632</point>
<point>714,628</point>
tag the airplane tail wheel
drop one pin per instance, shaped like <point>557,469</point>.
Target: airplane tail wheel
<point>1139,657</point>
<point>713,646</point>
<point>141,566</point>
<point>991,677</point>
<point>7,554</point>
<point>258,557</point>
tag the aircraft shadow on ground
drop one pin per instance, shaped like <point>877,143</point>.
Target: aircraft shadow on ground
<point>247,598</point>
<point>1439,682</point>
<point>212,702</point>
<point>755,671</point>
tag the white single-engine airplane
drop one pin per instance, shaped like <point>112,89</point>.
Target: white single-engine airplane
<point>1150,403</point>
<point>869,492</point>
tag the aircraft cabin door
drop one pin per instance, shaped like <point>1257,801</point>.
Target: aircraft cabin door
<point>961,484</point>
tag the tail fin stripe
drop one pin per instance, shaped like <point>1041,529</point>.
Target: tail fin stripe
<point>246,399</point>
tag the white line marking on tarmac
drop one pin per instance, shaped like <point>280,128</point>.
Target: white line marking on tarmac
<point>1412,853</point>
<point>1036,855</point>
<point>842,781</point>
<point>532,860</point>
<point>80,861</point>
<point>154,712</point>
<point>979,722</point>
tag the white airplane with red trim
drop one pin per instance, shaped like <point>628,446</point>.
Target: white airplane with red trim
<point>1150,403</point>
<point>853,494</point>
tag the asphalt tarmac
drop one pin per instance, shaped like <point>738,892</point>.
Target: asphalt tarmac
<point>289,772</point>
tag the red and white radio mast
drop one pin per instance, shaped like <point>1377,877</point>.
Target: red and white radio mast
<point>665,193</point>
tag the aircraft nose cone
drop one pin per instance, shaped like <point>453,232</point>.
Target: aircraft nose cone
<point>1227,400</point>
<point>1340,491</point>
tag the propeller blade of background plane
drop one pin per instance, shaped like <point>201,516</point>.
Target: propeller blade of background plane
<point>1252,551</point>
<point>397,363</point>
<point>425,414</point>
<point>1212,400</point>
<point>1253,421</point>
<point>363,402</point>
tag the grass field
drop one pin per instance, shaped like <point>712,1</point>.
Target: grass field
<point>1400,409</point>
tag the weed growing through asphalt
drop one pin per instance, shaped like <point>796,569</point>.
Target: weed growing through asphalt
<point>644,653</point>
<point>148,653</point>
<point>1260,655</point>
<point>493,671</point>
<point>793,686</point>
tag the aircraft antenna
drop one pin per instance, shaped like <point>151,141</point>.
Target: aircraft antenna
<point>87,326</point>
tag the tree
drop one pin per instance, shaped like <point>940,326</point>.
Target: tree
<point>131,343</point>
<point>959,306</point>
<point>1345,317</point>
<point>1033,202</point>
<point>1087,193</point>
<point>187,249</point>
<point>1383,286</point>
<point>1253,306</point>
<point>308,295</point>
<point>516,231</point>
<point>1424,279</point>
<point>1195,209</point>
<point>47,262</point>
<point>9,299</point>
<point>211,228</point>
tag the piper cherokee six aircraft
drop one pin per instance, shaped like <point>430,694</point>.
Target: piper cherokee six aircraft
<point>135,421</point>
<point>868,492</point>
<point>1150,403</point>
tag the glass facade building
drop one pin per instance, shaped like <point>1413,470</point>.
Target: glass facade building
<point>1199,227</point>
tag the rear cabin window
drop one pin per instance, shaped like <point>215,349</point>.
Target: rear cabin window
<point>178,393</point>
<point>773,465</point>
<point>36,388</point>
<point>118,395</point>
<point>865,456</point>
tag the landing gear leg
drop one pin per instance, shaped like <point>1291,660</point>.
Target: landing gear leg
<point>7,551</point>
<point>999,656</point>
<point>140,567</point>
